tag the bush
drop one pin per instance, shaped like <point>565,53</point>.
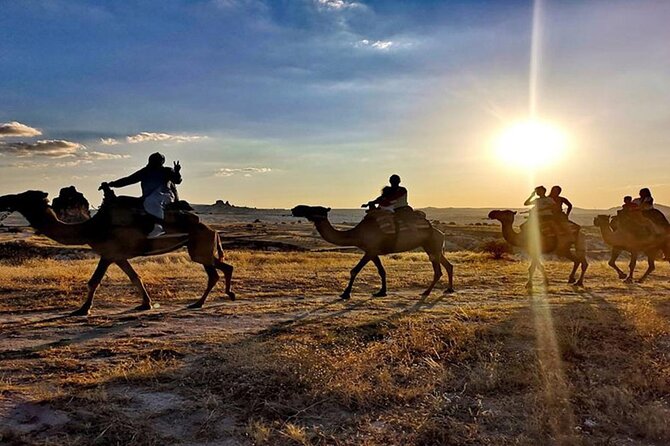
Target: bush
<point>497,248</point>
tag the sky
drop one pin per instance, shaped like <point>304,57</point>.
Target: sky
<point>273,103</point>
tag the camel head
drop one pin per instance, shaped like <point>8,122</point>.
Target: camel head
<point>29,201</point>
<point>502,216</point>
<point>601,220</point>
<point>311,213</point>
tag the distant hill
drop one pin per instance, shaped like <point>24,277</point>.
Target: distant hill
<point>461,216</point>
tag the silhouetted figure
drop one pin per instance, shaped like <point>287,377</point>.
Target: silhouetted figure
<point>71,206</point>
<point>543,206</point>
<point>629,204</point>
<point>158,188</point>
<point>392,198</point>
<point>645,201</point>
<point>555,195</point>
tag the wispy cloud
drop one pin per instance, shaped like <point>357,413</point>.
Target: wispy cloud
<point>152,137</point>
<point>14,129</point>
<point>56,149</point>
<point>381,45</point>
<point>244,171</point>
<point>109,141</point>
<point>338,4</point>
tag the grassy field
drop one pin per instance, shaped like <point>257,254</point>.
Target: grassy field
<point>290,364</point>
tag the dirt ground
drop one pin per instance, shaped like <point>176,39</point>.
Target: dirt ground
<point>290,363</point>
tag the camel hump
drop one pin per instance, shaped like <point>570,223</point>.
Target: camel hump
<point>642,224</point>
<point>71,206</point>
<point>402,220</point>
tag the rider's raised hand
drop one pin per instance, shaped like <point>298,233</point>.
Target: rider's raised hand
<point>177,166</point>
<point>104,185</point>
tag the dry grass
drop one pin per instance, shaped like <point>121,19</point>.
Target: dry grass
<point>288,364</point>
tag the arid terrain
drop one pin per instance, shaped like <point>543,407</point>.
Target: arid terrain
<point>290,363</point>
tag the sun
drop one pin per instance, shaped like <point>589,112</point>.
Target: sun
<point>531,144</point>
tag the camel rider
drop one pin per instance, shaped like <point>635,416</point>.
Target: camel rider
<point>392,198</point>
<point>644,218</point>
<point>544,212</point>
<point>543,206</point>
<point>158,188</point>
<point>645,201</point>
<point>562,218</point>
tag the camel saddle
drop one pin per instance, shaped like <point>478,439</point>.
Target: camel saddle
<point>129,211</point>
<point>403,219</point>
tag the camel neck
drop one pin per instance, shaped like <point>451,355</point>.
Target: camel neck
<point>607,234</point>
<point>46,222</point>
<point>332,235</point>
<point>510,235</point>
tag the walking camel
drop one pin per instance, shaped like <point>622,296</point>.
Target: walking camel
<point>116,243</point>
<point>368,237</point>
<point>624,240</point>
<point>522,240</point>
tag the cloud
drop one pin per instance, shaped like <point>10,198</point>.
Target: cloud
<point>109,141</point>
<point>14,128</point>
<point>381,45</point>
<point>245,171</point>
<point>165,137</point>
<point>338,4</point>
<point>51,148</point>
<point>57,149</point>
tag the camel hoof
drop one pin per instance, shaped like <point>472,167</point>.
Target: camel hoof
<point>143,307</point>
<point>628,280</point>
<point>379,294</point>
<point>449,291</point>
<point>572,280</point>
<point>195,306</point>
<point>622,276</point>
<point>425,294</point>
<point>345,296</point>
<point>640,281</point>
<point>579,283</point>
<point>80,312</point>
<point>231,295</point>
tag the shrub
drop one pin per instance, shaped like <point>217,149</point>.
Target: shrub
<point>496,248</point>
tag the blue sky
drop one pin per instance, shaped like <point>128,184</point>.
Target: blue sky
<point>272,103</point>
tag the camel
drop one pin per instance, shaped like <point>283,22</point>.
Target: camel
<point>623,240</point>
<point>368,237</point>
<point>547,245</point>
<point>118,243</point>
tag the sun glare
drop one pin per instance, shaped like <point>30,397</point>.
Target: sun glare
<point>531,144</point>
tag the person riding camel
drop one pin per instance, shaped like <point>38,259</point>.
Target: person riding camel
<point>643,218</point>
<point>544,215</point>
<point>543,207</point>
<point>392,198</point>
<point>158,188</point>
<point>562,218</point>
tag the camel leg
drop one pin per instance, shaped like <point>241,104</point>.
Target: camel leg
<point>571,277</point>
<point>616,252</point>
<point>545,278</point>
<point>450,273</point>
<point>135,279</point>
<point>93,283</point>
<point>631,267</point>
<point>228,276</point>
<point>437,273</point>
<point>212,279</point>
<point>650,268</point>
<point>531,271</point>
<point>346,294</point>
<point>584,264</point>
<point>382,275</point>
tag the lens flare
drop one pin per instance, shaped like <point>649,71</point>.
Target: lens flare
<point>531,144</point>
